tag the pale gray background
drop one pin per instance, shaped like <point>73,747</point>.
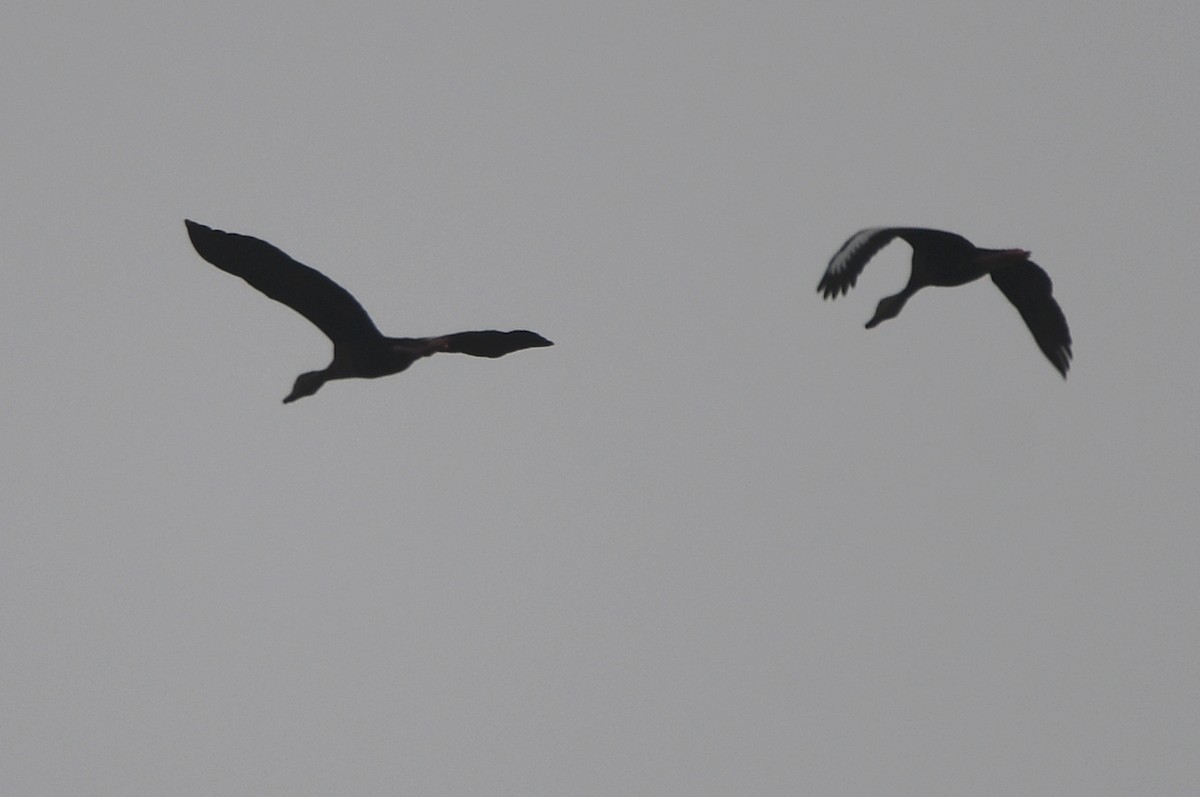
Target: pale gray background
<point>720,539</point>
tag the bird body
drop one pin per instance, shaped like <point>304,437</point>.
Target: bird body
<point>360,350</point>
<point>945,259</point>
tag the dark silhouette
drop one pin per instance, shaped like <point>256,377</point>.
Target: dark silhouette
<point>359,349</point>
<point>943,258</point>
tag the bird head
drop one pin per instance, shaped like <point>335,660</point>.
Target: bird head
<point>524,339</point>
<point>491,343</point>
<point>888,307</point>
<point>306,384</point>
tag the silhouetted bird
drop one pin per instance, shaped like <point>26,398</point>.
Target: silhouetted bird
<point>943,258</point>
<point>359,349</point>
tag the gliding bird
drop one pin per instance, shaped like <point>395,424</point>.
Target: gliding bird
<point>359,349</point>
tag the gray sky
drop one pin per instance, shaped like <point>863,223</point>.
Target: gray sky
<point>720,539</point>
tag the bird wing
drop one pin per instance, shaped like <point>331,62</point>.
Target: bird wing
<point>848,262</point>
<point>1029,288</point>
<point>306,290</point>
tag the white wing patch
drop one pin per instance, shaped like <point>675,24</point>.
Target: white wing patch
<point>845,255</point>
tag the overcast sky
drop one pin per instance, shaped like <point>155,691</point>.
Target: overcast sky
<point>719,540</point>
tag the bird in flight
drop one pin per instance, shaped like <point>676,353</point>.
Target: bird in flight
<point>359,349</point>
<point>943,258</point>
